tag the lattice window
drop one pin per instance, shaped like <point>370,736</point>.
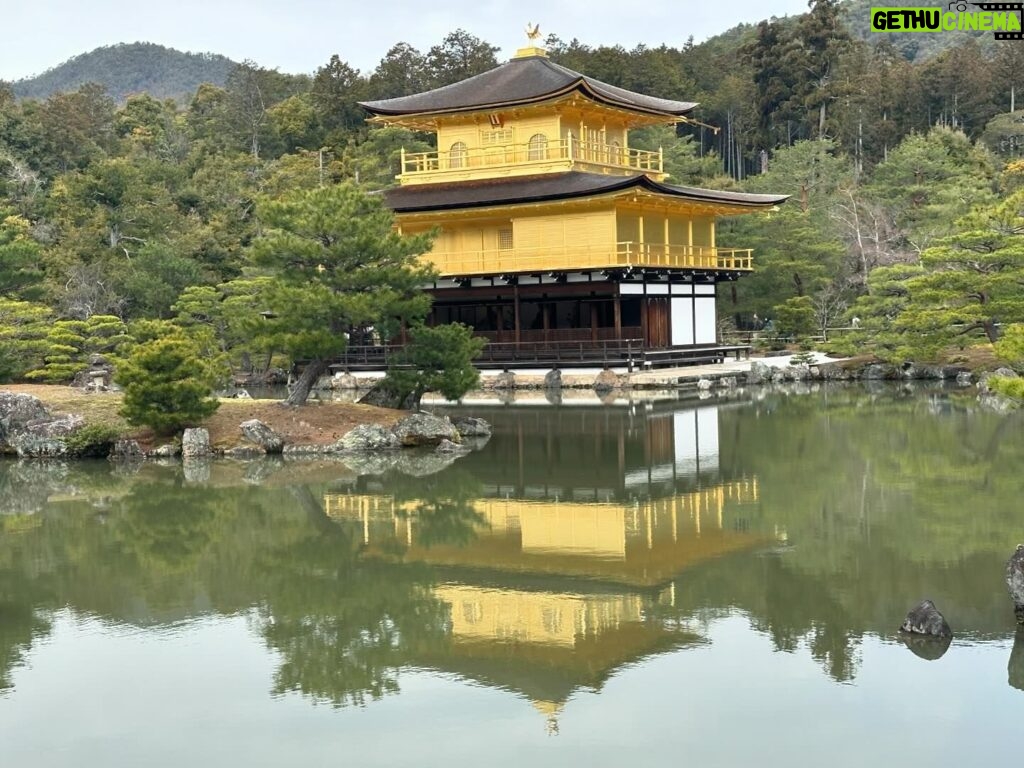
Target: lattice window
<point>458,155</point>
<point>505,239</point>
<point>538,147</point>
<point>496,138</point>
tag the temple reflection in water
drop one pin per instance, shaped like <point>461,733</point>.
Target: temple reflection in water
<point>611,518</point>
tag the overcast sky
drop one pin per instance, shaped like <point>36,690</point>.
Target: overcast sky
<point>300,35</point>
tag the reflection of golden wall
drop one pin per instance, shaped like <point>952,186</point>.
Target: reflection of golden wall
<point>647,533</point>
<point>550,618</point>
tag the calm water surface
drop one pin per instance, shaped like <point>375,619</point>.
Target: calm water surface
<point>710,584</point>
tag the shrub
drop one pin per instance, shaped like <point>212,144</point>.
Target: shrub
<point>92,441</point>
<point>167,383</point>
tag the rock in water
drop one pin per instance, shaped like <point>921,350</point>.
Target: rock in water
<point>195,443</point>
<point>368,437</point>
<point>255,431</point>
<point>553,379</point>
<point>606,381</point>
<point>1015,581</point>
<point>925,619</point>
<point>425,429</point>
<point>470,426</point>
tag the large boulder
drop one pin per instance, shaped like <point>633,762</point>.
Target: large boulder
<point>606,381</point>
<point>470,426</point>
<point>255,431</point>
<point>925,619</point>
<point>504,380</point>
<point>195,444</point>
<point>368,437</point>
<point>1015,581</point>
<point>425,429</point>
<point>553,379</point>
<point>18,410</point>
<point>759,373</point>
<point>55,428</point>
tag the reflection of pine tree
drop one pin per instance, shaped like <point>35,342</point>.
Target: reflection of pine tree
<point>19,627</point>
<point>342,624</point>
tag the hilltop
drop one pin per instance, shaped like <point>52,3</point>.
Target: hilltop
<point>129,68</point>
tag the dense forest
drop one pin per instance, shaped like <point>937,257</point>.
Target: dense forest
<point>904,176</point>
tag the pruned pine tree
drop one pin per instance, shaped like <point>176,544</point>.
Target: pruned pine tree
<point>338,266</point>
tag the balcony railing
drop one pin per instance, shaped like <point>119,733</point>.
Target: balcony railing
<point>572,151</point>
<point>625,254</point>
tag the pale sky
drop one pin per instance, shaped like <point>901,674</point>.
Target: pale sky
<point>298,36</point>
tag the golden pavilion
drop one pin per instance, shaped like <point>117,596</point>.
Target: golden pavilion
<point>558,241</point>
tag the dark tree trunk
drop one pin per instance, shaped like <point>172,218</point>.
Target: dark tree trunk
<point>313,371</point>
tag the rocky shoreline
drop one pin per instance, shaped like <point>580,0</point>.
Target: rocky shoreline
<point>29,430</point>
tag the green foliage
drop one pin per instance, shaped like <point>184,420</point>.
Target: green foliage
<point>929,181</point>
<point>92,441</point>
<point>971,282</point>
<point>337,265</point>
<point>21,273</point>
<point>795,316</point>
<point>436,359</point>
<point>68,344</point>
<point>1011,346</point>
<point>1008,387</point>
<point>167,382</point>
<point>23,329</point>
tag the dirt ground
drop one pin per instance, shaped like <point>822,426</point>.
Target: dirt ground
<point>312,424</point>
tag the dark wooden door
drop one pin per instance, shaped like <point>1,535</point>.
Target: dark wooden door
<point>656,329</point>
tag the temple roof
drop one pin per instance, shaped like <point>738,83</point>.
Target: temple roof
<point>560,186</point>
<point>522,81</point>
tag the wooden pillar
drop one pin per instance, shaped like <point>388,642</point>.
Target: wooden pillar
<point>667,249</point>
<point>617,312</point>
<point>640,235</point>
<point>593,320</point>
<point>546,314</point>
<point>518,325</point>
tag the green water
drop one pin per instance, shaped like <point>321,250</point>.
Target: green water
<point>709,584</point>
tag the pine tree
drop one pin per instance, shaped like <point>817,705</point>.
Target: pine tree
<point>338,266</point>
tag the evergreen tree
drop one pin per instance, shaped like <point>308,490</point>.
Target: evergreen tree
<point>338,266</point>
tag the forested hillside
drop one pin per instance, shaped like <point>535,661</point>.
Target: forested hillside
<point>904,176</point>
<point>129,68</point>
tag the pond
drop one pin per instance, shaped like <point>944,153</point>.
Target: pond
<point>711,583</point>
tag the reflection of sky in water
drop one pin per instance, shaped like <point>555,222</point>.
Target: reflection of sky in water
<point>199,694</point>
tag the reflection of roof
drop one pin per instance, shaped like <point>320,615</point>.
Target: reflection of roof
<point>561,186</point>
<point>521,81</point>
<point>550,673</point>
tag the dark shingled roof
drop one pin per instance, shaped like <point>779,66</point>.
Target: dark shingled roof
<point>522,81</point>
<point>557,186</point>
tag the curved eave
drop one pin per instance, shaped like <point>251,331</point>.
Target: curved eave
<point>532,190</point>
<point>581,87</point>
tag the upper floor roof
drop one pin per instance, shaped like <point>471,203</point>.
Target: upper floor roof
<point>523,81</point>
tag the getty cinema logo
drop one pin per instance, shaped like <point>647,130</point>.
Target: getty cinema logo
<point>1002,19</point>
